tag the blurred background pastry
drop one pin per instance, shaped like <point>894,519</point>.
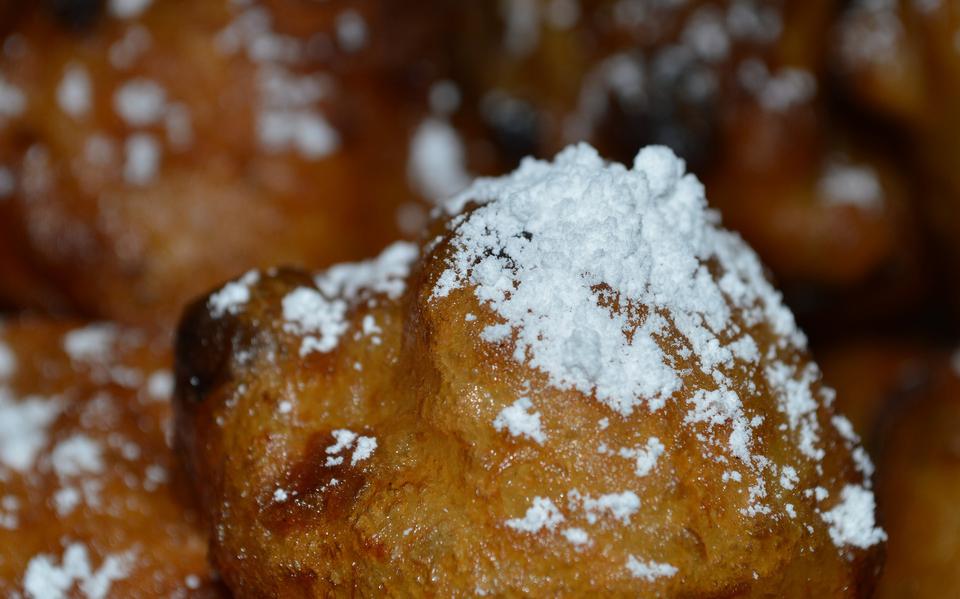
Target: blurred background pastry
<point>89,502</point>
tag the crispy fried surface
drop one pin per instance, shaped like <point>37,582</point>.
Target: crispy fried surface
<point>86,476</point>
<point>280,129</point>
<point>259,426</point>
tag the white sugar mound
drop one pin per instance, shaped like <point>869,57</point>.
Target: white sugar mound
<point>554,244</point>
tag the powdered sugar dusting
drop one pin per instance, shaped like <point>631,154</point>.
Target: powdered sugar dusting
<point>12,100</point>
<point>541,514</point>
<point>344,439</point>
<point>649,570</point>
<point>128,9</point>
<point>852,185</point>
<point>437,160</point>
<point>160,385</point>
<point>74,94</point>
<point>140,102</point>
<point>851,521</point>
<point>364,449</point>
<point>141,158</point>
<point>8,361</point>
<point>46,579</point>
<point>93,343</point>
<point>386,274</point>
<point>320,321</point>
<point>23,428</point>
<point>77,455</point>
<point>552,243</point>
<point>645,458</point>
<point>233,296</point>
<point>576,536</point>
<point>519,419</point>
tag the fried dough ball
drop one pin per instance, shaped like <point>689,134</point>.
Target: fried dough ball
<point>146,156</point>
<point>918,488</point>
<point>832,218</point>
<point>578,385</point>
<point>825,209</point>
<point>620,74</point>
<point>735,87</point>
<point>912,429</point>
<point>87,500</point>
<point>900,59</point>
<point>873,377</point>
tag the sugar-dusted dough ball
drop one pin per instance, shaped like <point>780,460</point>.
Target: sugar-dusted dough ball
<point>91,502</point>
<point>578,384</point>
<point>150,150</point>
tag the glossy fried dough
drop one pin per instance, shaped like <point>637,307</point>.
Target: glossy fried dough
<point>374,432</point>
<point>145,157</point>
<point>87,495</point>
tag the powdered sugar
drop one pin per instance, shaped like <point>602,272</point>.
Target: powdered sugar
<point>307,132</point>
<point>45,579</point>
<point>343,439</point>
<point>233,296</point>
<point>519,420</point>
<point>848,184</point>
<point>8,361</point>
<point>780,91</point>
<point>591,267</point>
<point>75,92</point>
<point>851,521</point>
<point>549,237</point>
<point>77,455</point>
<point>128,9</point>
<point>320,321</point>
<point>12,100</point>
<point>363,447</point>
<point>140,102</point>
<point>645,457</point>
<point>141,158</point>
<point>437,157</point>
<point>160,385</point>
<point>649,570</point>
<point>386,274</point>
<point>576,536</point>
<point>23,428</point>
<point>541,514</point>
<point>617,505</point>
<point>351,30</point>
<point>93,343</point>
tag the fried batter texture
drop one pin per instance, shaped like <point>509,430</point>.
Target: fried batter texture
<point>88,505</point>
<point>578,384</point>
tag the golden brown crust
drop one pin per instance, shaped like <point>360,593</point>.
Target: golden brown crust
<point>94,481</point>
<point>430,511</point>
